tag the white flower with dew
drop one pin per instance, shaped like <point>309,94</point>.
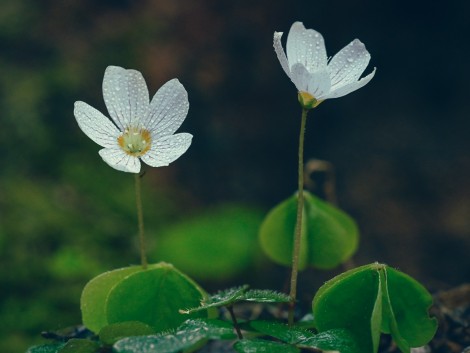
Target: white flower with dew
<point>140,128</point>
<point>308,67</point>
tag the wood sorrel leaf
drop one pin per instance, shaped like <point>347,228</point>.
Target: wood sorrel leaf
<point>329,236</point>
<point>406,308</point>
<point>277,233</point>
<point>352,301</point>
<point>114,332</point>
<point>188,335</point>
<point>372,299</point>
<point>263,346</point>
<point>154,297</point>
<point>95,293</point>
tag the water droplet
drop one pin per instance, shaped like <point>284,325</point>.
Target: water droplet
<point>350,60</point>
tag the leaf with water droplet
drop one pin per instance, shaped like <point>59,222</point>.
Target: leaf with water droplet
<point>46,348</point>
<point>191,333</point>
<point>263,346</point>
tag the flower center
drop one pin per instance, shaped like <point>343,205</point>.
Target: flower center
<point>135,142</point>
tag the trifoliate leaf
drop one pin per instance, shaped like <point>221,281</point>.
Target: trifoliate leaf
<point>329,236</point>
<point>372,299</point>
<point>406,306</point>
<point>154,297</point>
<point>352,301</point>
<point>95,293</point>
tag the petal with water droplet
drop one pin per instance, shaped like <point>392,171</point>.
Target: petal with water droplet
<point>348,64</point>
<point>119,160</point>
<point>126,96</point>
<point>168,109</point>
<point>306,46</point>
<point>95,125</point>
<point>167,149</point>
<point>351,87</point>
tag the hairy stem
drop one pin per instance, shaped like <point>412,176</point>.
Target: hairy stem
<point>140,220</point>
<point>298,224</point>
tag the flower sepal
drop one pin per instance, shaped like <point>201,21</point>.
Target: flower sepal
<point>307,101</point>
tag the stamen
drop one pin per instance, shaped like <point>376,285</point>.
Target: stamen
<point>135,142</point>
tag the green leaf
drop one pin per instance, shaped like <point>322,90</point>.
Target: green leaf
<point>262,346</point>
<point>265,296</point>
<point>406,305</point>
<point>76,345</point>
<point>237,294</point>
<point>219,299</point>
<point>95,293</point>
<point>191,333</point>
<point>352,301</point>
<point>154,297</point>
<point>277,233</point>
<point>329,236</point>
<point>372,299</point>
<point>283,332</point>
<point>114,332</point>
<point>332,340</point>
<point>333,235</point>
<point>46,348</point>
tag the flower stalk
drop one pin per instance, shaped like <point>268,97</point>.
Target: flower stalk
<point>298,224</point>
<point>140,220</point>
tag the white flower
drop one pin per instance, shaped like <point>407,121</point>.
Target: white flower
<point>139,128</point>
<point>307,65</point>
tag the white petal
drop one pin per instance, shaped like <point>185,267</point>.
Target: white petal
<point>126,96</point>
<point>168,109</point>
<point>319,84</point>
<point>300,76</point>
<point>306,46</point>
<point>95,125</point>
<point>281,55</point>
<point>348,64</point>
<point>167,149</point>
<point>344,90</point>
<point>120,160</point>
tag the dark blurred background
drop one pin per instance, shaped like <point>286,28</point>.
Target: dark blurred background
<point>400,145</point>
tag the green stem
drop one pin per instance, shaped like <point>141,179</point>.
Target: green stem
<point>298,225</point>
<point>235,322</point>
<point>140,219</point>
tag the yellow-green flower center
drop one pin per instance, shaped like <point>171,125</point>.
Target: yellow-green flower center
<point>307,101</point>
<point>135,142</point>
